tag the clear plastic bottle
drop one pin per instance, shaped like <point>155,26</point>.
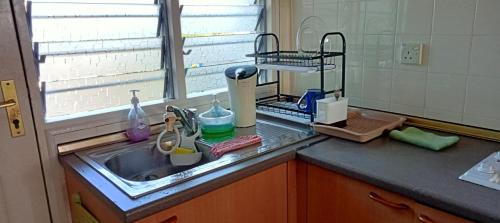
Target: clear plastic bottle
<point>138,124</point>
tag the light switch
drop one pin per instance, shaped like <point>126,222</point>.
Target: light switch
<point>411,53</point>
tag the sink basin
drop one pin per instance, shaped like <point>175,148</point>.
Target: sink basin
<point>149,164</point>
<point>139,169</point>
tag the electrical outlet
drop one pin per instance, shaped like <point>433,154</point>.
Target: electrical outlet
<point>411,53</point>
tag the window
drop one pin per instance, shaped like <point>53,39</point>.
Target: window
<point>92,52</point>
<point>217,35</point>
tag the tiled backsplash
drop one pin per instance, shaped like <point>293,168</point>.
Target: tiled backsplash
<point>459,80</point>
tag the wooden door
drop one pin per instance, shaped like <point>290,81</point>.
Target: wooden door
<point>426,214</point>
<point>259,198</point>
<point>22,191</point>
<point>334,198</point>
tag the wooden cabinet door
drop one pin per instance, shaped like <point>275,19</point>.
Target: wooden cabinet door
<point>333,198</point>
<point>92,203</point>
<point>260,198</point>
<point>425,214</point>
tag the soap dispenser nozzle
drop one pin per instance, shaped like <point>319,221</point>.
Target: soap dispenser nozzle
<point>134,99</point>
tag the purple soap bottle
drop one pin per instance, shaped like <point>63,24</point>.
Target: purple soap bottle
<point>138,123</point>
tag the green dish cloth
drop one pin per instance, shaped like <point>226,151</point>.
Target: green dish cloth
<point>423,139</point>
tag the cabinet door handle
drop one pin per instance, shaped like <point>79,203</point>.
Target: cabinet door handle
<point>425,219</point>
<point>172,219</point>
<point>374,196</point>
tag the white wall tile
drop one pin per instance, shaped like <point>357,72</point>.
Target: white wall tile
<point>325,1</point>
<point>408,88</point>
<point>379,51</point>
<point>485,56</point>
<point>415,17</point>
<point>444,115</point>
<point>354,49</point>
<point>377,84</point>
<point>400,39</point>
<point>328,11</point>
<point>376,104</point>
<point>408,110</point>
<point>449,54</point>
<point>304,82</point>
<point>460,76</point>
<point>487,17</point>
<point>475,120</point>
<point>483,97</point>
<point>333,79</point>
<point>301,10</point>
<point>381,16</point>
<point>352,16</point>
<point>454,17</point>
<point>445,92</point>
<point>357,102</point>
<point>354,82</point>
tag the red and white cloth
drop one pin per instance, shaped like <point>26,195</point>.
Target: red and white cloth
<point>220,149</point>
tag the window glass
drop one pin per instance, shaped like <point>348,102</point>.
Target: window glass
<point>91,53</point>
<point>217,35</point>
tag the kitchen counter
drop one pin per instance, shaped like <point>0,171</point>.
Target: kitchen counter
<point>130,210</point>
<point>429,177</point>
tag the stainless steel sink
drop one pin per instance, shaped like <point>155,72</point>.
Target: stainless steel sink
<point>148,164</point>
<point>138,169</point>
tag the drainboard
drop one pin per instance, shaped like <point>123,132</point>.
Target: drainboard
<point>139,169</point>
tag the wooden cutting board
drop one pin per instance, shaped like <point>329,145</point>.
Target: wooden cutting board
<point>362,125</point>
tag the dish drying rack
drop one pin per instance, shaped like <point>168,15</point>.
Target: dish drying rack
<point>283,105</point>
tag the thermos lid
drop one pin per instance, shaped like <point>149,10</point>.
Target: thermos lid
<point>243,71</point>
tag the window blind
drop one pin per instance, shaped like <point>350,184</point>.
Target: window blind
<point>92,52</point>
<point>218,34</point>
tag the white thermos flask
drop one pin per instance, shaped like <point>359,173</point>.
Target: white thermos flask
<point>241,82</point>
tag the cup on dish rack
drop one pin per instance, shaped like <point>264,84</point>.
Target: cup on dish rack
<point>307,102</point>
<point>331,110</point>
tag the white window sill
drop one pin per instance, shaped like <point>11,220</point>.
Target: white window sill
<point>206,93</point>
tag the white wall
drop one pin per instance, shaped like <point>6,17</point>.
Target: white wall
<point>460,78</point>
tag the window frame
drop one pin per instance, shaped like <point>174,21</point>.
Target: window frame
<point>117,116</point>
<point>111,120</point>
<point>166,65</point>
<point>93,125</point>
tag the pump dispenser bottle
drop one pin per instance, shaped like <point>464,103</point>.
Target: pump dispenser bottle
<point>138,123</point>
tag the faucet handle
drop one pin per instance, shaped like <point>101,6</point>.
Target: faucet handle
<point>170,119</point>
<point>169,108</point>
<point>191,112</point>
<point>191,115</point>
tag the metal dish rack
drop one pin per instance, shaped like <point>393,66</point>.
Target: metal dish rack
<point>294,61</point>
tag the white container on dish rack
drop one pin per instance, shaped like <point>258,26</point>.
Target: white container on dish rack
<point>330,111</point>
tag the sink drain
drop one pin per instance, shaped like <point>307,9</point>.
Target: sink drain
<point>151,177</point>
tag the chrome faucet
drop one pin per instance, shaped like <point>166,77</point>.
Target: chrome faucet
<point>187,117</point>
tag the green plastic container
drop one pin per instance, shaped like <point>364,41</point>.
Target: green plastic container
<point>217,122</point>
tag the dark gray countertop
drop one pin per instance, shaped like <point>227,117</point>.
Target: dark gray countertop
<point>429,177</point>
